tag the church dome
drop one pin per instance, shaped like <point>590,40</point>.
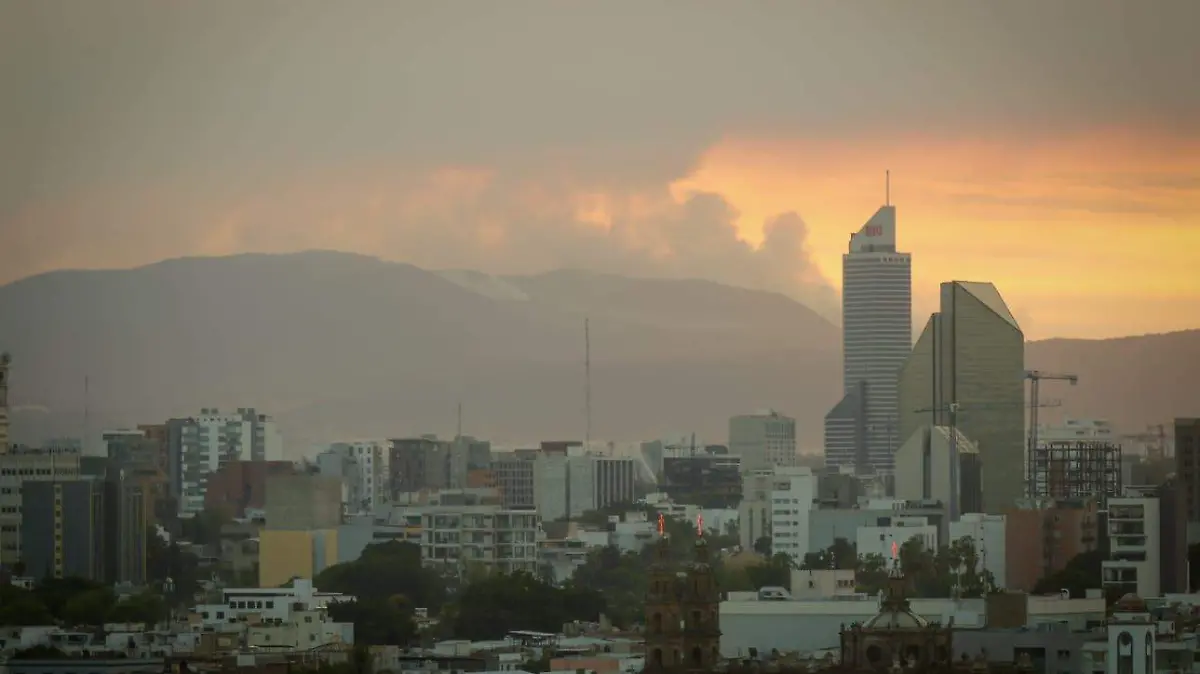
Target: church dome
<point>896,618</point>
<point>1130,603</point>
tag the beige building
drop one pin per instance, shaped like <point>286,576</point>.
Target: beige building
<point>300,538</point>
<point>18,466</point>
<point>967,369</point>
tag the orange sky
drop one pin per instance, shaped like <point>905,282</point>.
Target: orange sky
<point>1094,236</point>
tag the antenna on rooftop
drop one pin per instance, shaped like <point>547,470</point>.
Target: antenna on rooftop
<point>887,188</point>
<point>458,422</point>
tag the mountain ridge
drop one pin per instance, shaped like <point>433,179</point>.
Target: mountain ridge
<point>341,344</point>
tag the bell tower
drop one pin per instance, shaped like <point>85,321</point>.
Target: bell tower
<point>664,614</point>
<point>702,610</point>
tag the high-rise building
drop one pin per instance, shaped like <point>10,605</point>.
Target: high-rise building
<point>19,468</point>
<point>572,482</point>
<point>363,468</point>
<point>764,440</point>
<point>860,430</point>
<point>967,369</point>
<point>418,464</point>
<point>87,528</point>
<point>1187,470</point>
<point>201,445</point>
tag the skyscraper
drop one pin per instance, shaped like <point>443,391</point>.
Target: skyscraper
<point>972,354</point>
<point>861,430</point>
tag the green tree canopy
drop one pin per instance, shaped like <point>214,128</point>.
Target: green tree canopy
<point>385,570</point>
<point>499,604</point>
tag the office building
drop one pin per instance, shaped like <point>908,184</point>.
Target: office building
<point>924,471</point>
<point>793,492</point>
<point>240,487</point>
<point>861,430</point>
<point>363,469</point>
<point>142,461</point>
<point>418,464</point>
<point>987,534</point>
<point>466,454</point>
<point>199,446</point>
<point>20,467</point>
<point>86,528</point>
<point>303,502</point>
<point>711,480</point>
<point>569,483</point>
<point>827,524</point>
<point>512,474</point>
<point>764,440</point>
<point>1134,546</point>
<point>1187,470</point>
<point>967,370</point>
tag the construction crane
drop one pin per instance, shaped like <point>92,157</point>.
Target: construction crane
<point>1035,377</point>
<point>953,410</point>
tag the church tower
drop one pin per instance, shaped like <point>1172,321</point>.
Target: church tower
<point>702,612</point>
<point>664,614</point>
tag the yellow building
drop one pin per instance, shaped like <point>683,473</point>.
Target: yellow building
<point>287,554</point>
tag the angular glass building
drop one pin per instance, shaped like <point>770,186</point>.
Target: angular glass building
<point>972,353</point>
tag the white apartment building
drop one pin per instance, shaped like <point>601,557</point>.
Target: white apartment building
<point>1134,546</point>
<point>568,484</point>
<point>987,534</point>
<point>18,466</point>
<point>363,468</point>
<point>201,445</point>
<point>305,631</point>
<point>886,540</point>
<point>764,440</point>
<point>500,540</point>
<point>793,491</point>
<point>269,604</point>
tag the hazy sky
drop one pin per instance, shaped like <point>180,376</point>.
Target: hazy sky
<point>1052,148</point>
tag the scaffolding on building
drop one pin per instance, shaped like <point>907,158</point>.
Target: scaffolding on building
<point>1076,469</point>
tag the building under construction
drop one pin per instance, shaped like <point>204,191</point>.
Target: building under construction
<point>1074,469</point>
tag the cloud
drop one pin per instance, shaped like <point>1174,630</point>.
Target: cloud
<point>469,218</point>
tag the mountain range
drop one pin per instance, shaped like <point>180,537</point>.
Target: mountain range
<point>336,346</point>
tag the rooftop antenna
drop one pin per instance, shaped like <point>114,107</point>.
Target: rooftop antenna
<point>458,422</point>
<point>887,188</point>
<point>587,384</point>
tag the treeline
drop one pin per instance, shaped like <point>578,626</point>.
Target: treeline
<point>75,601</point>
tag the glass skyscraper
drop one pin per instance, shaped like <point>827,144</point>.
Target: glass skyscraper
<point>862,429</point>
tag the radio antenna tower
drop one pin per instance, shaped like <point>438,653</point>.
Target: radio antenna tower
<point>587,385</point>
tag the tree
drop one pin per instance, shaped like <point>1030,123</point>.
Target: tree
<point>21,608</point>
<point>1079,575</point>
<point>499,604</point>
<point>89,608</point>
<point>146,608</point>
<point>378,621</point>
<point>841,555</point>
<point>763,546</point>
<point>622,579</point>
<point>775,572</point>
<point>385,570</point>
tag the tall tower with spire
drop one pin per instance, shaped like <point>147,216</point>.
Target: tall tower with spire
<point>683,610</point>
<point>862,430</point>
